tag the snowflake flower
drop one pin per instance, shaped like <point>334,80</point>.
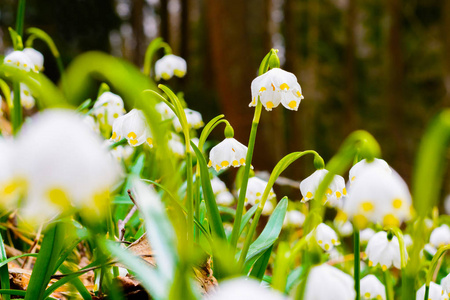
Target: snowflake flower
<point>170,65</point>
<point>334,192</point>
<point>133,127</point>
<point>108,108</point>
<point>227,153</point>
<point>381,250</point>
<point>372,288</point>
<point>339,285</point>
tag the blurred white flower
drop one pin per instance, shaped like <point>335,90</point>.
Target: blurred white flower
<point>268,208</point>
<point>372,288</point>
<point>194,120</point>
<point>430,249</point>
<point>243,288</point>
<point>120,152</point>
<point>170,65</point>
<point>64,164</point>
<point>325,282</point>
<point>227,153</point>
<point>276,86</point>
<point>20,60</point>
<point>92,124</point>
<point>294,218</point>
<point>36,57</point>
<point>362,166</point>
<point>381,250</point>
<point>26,98</point>
<point>176,145</point>
<point>326,237</point>
<point>255,190</point>
<point>164,110</point>
<point>132,126</point>
<point>335,190</point>
<point>440,236</point>
<point>378,197</point>
<point>344,228</point>
<point>12,186</point>
<point>366,234</point>
<point>407,240</point>
<point>108,108</point>
<point>436,292</point>
<point>220,190</point>
<point>445,284</point>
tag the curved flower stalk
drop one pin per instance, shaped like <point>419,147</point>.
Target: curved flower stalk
<point>339,285</point>
<point>274,87</point>
<point>154,46</point>
<point>170,65</point>
<point>372,288</point>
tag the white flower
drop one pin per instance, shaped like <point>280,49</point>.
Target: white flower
<point>243,288</point>
<point>378,197</point>
<point>335,190</point>
<point>26,98</point>
<point>326,237</point>
<point>11,185</point>
<point>64,164</point>
<point>132,126</point>
<point>385,252</point>
<point>194,120</point>
<point>176,145</point>
<point>225,198</point>
<point>430,249</point>
<point>108,108</point>
<point>220,190</point>
<point>170,65</point>
<point>226,153</point>
<point>440,236</point>
<point>372,288</point>
<point>294,218</point>
<point>362,165</point>
<point>325,282</point>
<point>436,292</point>
<point>19,60</point>
<point>36,57</point>
<point>445,283</point>
<point>91,123</point>
<point>268,208</point>
<point>344,228</point>
<point>276,86</point>
<point>407,240</point>
<point>255,190</point>
<point>164,110</point>
<point>366,234</point>
<point>120,152</point>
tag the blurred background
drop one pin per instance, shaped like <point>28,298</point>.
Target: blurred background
<point>382,66</point>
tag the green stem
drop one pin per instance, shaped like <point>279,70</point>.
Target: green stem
<point>154,46</point>
<point>189,195</point>
<point>356,249</point>
<point>20,17</point>
<point>427,292</point>
<point>388,283</point>
<point>243,190</point>
<point>17,115</point>
<point>408,287</point>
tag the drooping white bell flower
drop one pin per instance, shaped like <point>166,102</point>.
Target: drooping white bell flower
<point>445,284</point>
<point>132,126</point>
<point>64,164</point>
<point>170,65</point>
<point>380,250</point>
<point>227,153</point>
<point>274,87</point>
<point>362,165</point>
<point>366,234</point>
<point>221,192</point>
<point>344,228</point>
<point>378,197</point>
<point>225,198</point>
<point>255,190</point>
<point>294,218</point>
<point>327,282</point>
<point>36,57</point>
<point>26,98</point>
<point>165,111</point>
<point>194,120</point>
<point>108,108</point>
<point>440,236</point>
<point>335,190</point>
<point>326,237</point>
<point>176,145</point>
<point>436,292</point>
<point>20,60</point>
<point>372,288</point>
<point>120,152</point>
<point>243,288</point>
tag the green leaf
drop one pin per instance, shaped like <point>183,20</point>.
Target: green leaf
<point>246,218</point>
<point>73,279</point>
<point>214,218</point>
<point>4,273</point>
<point>261,265</point>
<point>6,261</point>
<point>12,292</point>
<point>270,233</point>
<point>84,105</point>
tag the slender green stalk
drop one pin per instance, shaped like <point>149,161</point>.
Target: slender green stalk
<point>189,192</point>
<point>20,17</point>
<point>427,292</point>
<point>243,190</point>
<point>356,249</point>
<point>389,287</point>
<point>154,46</point>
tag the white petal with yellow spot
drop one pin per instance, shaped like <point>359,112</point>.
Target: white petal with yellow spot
<point>36,57</point>
<point>378,197</point>
<point>165,111</point>
<point>326,237</point>
<point>108,108</point>
<point>435,293</point>
<point>440,236</point>
<point>26,98</point>
<point>176,145</point>
<point>227,153</point>
<point>133,127</point>
<point>335,191</point>
<point>20,60</point>
<point>255,190</point>
<point>384,252</point>
<point>372,288</point>
<point>274,87</point>
<point>445,284</point>
<point>170,65</point>
<point>194,120</point>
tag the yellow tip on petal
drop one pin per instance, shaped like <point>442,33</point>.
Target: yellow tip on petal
<point>133,142</point>
<point>391,220</point>
<point>114,135</point>
<point>293,104</point>
<point>327,247</point>
<point>284,86</point>
<point>384,268</point>
<point>242,161</point>
<point>235,163</point>
<point>150,141</point>
<point>344,191</point>
<point>269,104</point>
<point>132,135</point>
<point>261,90</point>
<point>370,263</point>
<point>209,163</point>
<point>397,203</point>
<point>367,206</point>
<point>225,164</point>
<point>217,168</point>
<point>338,194</point>
<point>309,195</point>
